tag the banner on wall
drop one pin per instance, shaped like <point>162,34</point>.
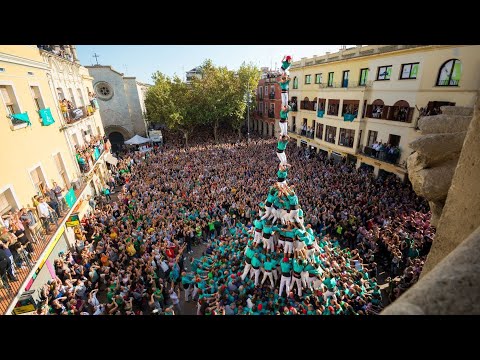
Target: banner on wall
<point>70,198</point>
<point>46,115</point>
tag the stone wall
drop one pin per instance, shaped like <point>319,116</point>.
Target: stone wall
<point>432,166</point>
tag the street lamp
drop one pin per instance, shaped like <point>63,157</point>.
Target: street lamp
<point>248,113</point>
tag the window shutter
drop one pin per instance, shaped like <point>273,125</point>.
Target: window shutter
<point>5,95</point>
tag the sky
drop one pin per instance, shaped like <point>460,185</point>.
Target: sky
<point>142,61</point>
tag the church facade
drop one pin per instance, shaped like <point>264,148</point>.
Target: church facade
<point>122,103</point>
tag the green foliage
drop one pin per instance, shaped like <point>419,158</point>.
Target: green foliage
<point>218,97</point>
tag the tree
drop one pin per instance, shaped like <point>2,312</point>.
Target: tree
<point>170,102</point>
<point>247,81</point>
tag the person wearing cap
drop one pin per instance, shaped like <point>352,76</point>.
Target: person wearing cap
<point>286,62</point>
<point>286,268</point>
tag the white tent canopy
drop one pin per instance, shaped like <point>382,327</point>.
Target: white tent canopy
<point>137,140</point>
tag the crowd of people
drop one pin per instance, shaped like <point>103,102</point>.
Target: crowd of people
<point>87,154</point>
<point>131,256</point>
<point>384,152</point>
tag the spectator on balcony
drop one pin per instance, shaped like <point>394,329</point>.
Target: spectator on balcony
<point>45,213</point>
<point>64,109</point>
<point>92,97</point>
<point>59,194</point>
<point>304,130</point>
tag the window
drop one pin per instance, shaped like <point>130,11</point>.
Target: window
<point>37,98</point>
<point>272,92</point>
<point>75,139</point>
<point>271,111</point>
<point>359,139</point>
<point>318,78</point>
<point>409,71</point>
<point>82,103</point>
<point>266,91</point>
<point>308,79</point>
<point>266,108</point>
<point>10,102</point>
<point>294,123</point>
<point>450,73</point>
<point>319,132</point>
<point>347,137</point>
<point>363,77</point>
<point>345,78</point>
<point>330,134</point>
<point>5,206</point>
<point>38,180</point>
<point>394,140</point>
<point>61,170</point>
<point>103,90</point>
<point>72,98</point>
<point>333,105</point>
<point>350,107</point>
<point>384,72</point>
<point>260,92</point>
<point>330,79</point>
<point>295,82</point>
<point>60,94</point>
<point>321,104</point>
<point>372,137</point>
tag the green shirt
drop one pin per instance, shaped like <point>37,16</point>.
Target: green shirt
<point>284,84</point>
<point>256,262</point>
<point>268,265</point>
<point>282,174</point>
<point>285,266</point>
<point>282,145</point>
<point>297,266</point>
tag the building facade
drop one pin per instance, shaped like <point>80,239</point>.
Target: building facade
<point>121,102</point>
<point>359,97</point>
<point>269,102</point>
<point>81,124</point>
<point>36,153</point>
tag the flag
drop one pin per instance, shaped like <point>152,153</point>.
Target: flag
<point>46,115</point>
<point>21,117</point>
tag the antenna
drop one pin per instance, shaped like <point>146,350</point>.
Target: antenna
<point>126,68</point>
<point>96,57</point>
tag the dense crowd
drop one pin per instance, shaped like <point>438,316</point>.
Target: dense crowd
<point>130,258</point>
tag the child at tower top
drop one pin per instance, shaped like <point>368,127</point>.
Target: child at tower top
<point>286,61</point>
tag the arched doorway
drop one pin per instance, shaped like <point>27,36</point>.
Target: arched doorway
<point>117,140</point>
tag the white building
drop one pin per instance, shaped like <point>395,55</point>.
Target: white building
<point>122,103</point>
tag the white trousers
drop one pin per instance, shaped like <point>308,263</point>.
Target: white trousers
<point>285,98</point>
<point>257,238</point>
<point>283,128</point>
<point>268,212</point>
<point>256,272</point>
<point>282,157</point>
<point>288,247</point>
<point>294,215</point>
<point>270,276</point>
<point>284,282</point>
<point>188,292</point>
<point>269,244</point>
<point>275,274</point>
<point>304,276</point>
<point>298,282</point>
<point>245,271</point>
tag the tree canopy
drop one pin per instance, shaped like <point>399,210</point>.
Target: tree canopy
<point>217,98</point>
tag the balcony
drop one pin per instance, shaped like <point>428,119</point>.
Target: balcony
<point>75,115</point>
<point>294,107</point>
<point>389,155</point>
<point>320,113</point>
<point>348,84</point>
<point>391,113</point>
<point>308,105</point>
<point>272,96</point>
<point>88,156</point>
<point>27,256</point>
<point>271,114</point>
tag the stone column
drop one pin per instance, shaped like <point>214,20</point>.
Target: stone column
<point>74,52</point>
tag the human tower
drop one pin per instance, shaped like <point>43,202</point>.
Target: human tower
<point>280,246</point>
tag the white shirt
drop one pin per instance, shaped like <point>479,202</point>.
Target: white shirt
<point>174,298</point>
<point>43,210</point>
